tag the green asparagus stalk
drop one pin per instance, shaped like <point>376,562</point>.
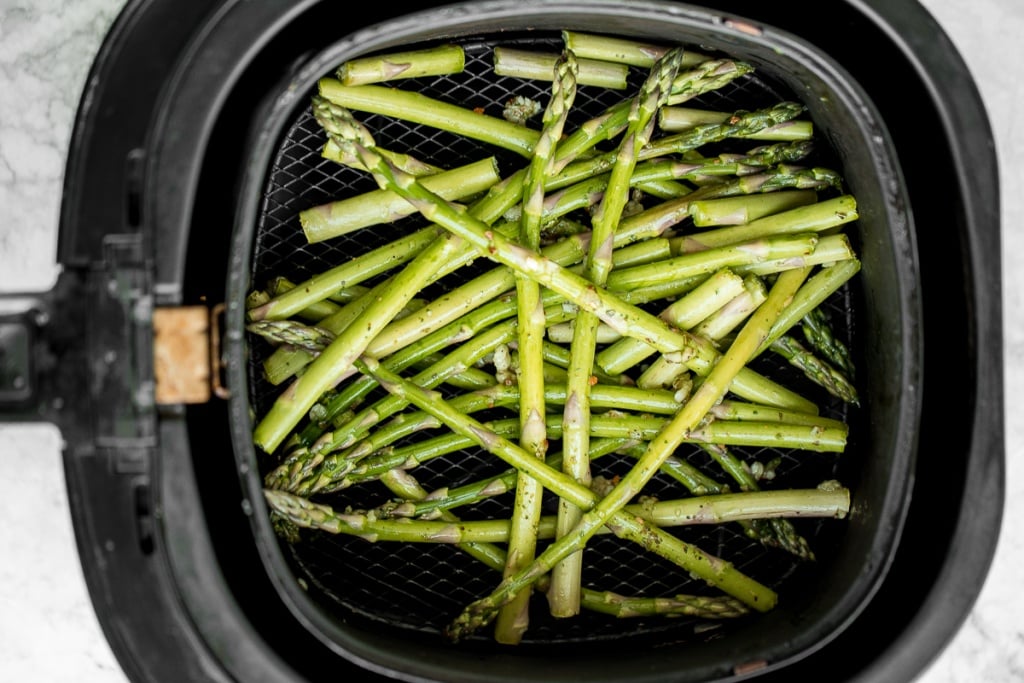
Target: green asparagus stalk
<point>648,251</point>
<point>818,333</point>
<point>439,60</point>
<point>471,378</point>
<point>707,261</point>
<point>668,370</point>
<point>315,312</point>
<point>622,50</point>
<point>425,110</point>
<point>563,597</point>
<point>514,619</point>
<point>293,334</point>
<point>817,217</point>
<point>830,249</point>
<point>741,123</point>
<point>676,118</point>
<point>535,65</point>
<point>744,209</point>
<point>407,163</point>
<point>620,606</point>
<point>732,410</point>
<point>565,333</point>
<point>717,509</point>
<point>818,370</point>
<point>343,216</point>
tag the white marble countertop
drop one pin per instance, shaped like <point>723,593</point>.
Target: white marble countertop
<point>48,631</point>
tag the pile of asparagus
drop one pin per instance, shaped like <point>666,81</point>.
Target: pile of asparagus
<point>631,280</point>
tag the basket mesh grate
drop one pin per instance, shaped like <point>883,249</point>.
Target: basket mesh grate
<point>420,588</point>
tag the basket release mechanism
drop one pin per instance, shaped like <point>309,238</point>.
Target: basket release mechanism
<point>187,364</point>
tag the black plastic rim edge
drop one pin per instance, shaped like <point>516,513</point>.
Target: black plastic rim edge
<point>973,547</point>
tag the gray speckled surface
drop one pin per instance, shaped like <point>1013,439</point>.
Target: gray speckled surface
<point>48,631</point>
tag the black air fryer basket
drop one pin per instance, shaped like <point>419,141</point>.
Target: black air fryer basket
<point>182,195</point>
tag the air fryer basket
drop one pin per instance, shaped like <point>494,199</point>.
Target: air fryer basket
<point>384,606</point>
<point>420,588</point>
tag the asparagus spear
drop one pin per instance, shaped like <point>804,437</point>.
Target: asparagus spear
<point>818,370</point>
<point>293,333</point>
<point>513,620</point>
<point>710,260</point>
<point>817,217</point>
<point>343,216</point>
<point>717,509</point>
<point>563,598</point>
<point>532,64</point>
<point>743,210</point>
<point>314,312</point>
<point>432,61</point>
<point>620,606</point>
<point>676,118</point>
<point>622,50</point>
<point>818,333</point>
<point>419,108</point>
<point>356,270</point>
<point>407,163</point>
